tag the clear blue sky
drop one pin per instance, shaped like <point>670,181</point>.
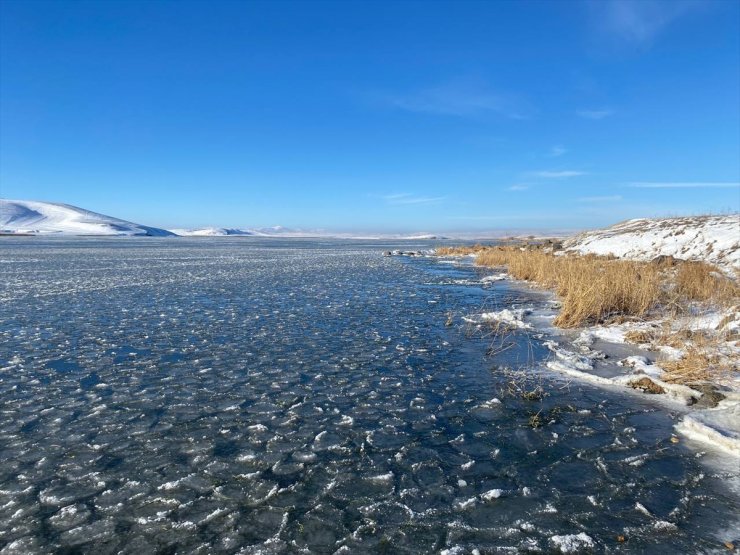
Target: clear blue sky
<point>381,115</point>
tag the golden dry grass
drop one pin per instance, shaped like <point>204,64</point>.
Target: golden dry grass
<point>698,364</point>
<point>704,355</point>
<point>460,251</point>
<point>639,336</point>
<point>698,281</point>
<point>592,289</point>
<point>595,289</point>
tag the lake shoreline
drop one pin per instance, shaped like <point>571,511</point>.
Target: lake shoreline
<point>711,410</point>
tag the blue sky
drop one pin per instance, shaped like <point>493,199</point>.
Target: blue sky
<point>389,116</point>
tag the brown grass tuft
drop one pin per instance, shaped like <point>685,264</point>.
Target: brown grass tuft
<point>697,365</point>
<point>640,336</point>
<point>647,385</point>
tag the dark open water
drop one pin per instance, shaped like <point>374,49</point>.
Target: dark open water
<point>271,396</point>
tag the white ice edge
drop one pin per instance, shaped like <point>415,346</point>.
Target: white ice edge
<point>512,317</point>
<point>718,427</point>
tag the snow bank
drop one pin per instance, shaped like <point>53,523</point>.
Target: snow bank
<point>713,239</point>
<point>46,218</point>
<point>719,426</point>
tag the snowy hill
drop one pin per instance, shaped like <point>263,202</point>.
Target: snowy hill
<point>277,231</point>
<point>713,239</point>
<point>285,232</point>
<point>211,232</point>
<point>45,218</point>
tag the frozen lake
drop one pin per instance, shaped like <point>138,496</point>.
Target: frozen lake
<point>305,396</point>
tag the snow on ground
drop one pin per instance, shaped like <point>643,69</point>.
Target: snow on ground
<point>713,239</point>
<point>48,218</point>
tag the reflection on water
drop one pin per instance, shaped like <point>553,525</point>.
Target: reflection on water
<point>267,396</point>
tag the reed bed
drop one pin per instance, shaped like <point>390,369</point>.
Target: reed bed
<point>596,290</point>
<point>461,250</point>
<point>592,289</point>
<point>698,281</point>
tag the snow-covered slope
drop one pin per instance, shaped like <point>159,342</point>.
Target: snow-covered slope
<point>211,232</point>
<point>713,239</point>
<point>277,231</point>
<point>285,232</point>
<point>36,218</point>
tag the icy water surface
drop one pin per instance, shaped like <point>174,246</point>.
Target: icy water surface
<point>269,396</point>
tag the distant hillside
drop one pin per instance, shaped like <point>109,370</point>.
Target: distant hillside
<point>713,239</point>
<point>284,232</point>
<point>49,218</point>
<point>211,232</point>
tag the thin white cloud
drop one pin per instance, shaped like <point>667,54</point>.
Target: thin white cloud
<point>408,198</point>
<point>638,21</point>
<point>595,114</point>
<point>683,185</point>
<point>556,151</point>
<point>518,188</point>
<point>557,174</point>
<point>605,198</point>
<point>460,98</point>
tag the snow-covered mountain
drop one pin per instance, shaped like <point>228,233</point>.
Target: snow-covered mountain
<point>714,239</point>
<point>47,218</point>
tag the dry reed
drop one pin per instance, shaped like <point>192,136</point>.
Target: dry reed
<point>460,251</point>
<point>698,281</point>
<point>592,289</point>
<point>698,364</point>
